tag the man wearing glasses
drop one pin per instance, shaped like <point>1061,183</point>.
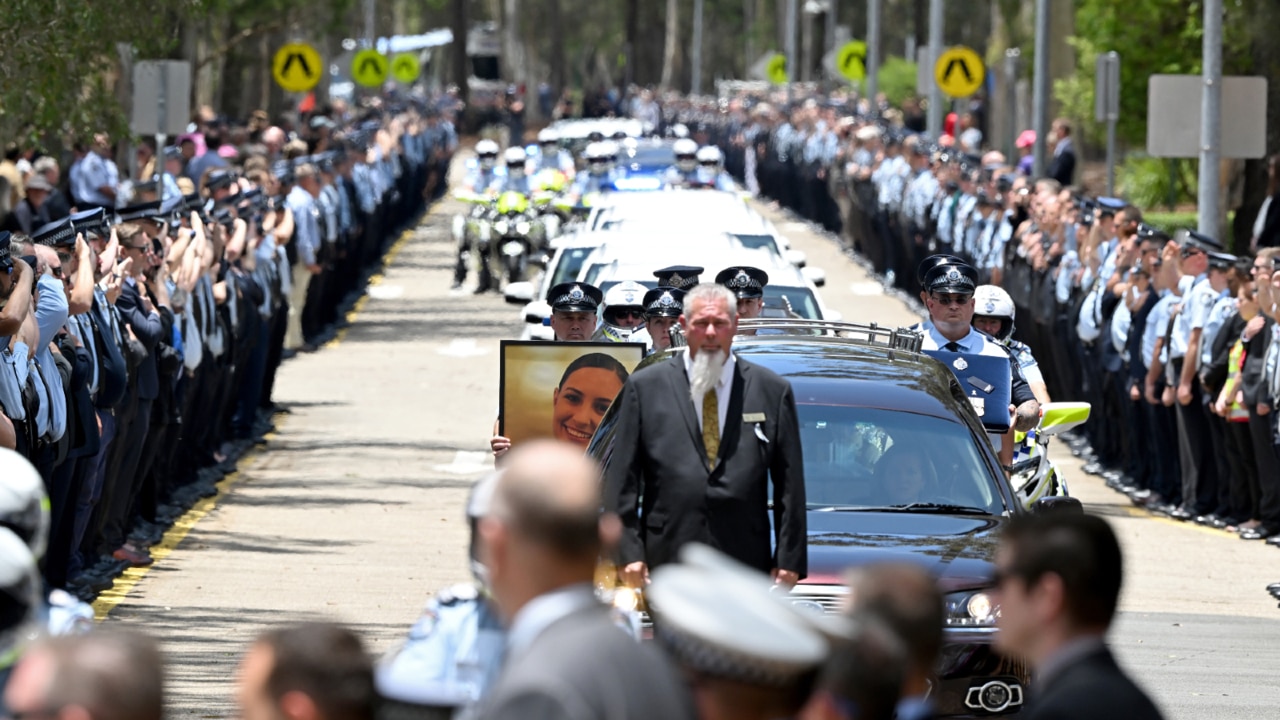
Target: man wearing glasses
<point>949,289</point>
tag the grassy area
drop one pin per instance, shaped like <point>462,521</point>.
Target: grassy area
<point>1177,220</point>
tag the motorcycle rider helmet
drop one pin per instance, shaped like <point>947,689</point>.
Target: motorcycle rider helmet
<point>993,302</point>
<point>686,151</point>
<point>709,157</point>
<point>20,597</point>
<point>515,159</point>
<point>548,140</point>
<point>599,157</point>
<point>623,314</point>
<point>487,151</point>
<point>24,506</point>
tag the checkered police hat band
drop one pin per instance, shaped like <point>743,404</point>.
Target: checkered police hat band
<point>722,662</point>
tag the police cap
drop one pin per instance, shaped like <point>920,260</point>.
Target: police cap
<point>6,259</point>
<point>1192,239</point>
<point>1222,261</point>
<point>55,234</point>
<point>678,276</point>
<point>664,302</point>
<point>745,281</point>
<point>575,297</point>
<point>701,623</point>
<point>1110,205</point>
<point>90,222</point>
<point>1147,232</point>
<point>953,277</point>
<point>172,152</point>
<point>933,261</point>
<point>218,180</point>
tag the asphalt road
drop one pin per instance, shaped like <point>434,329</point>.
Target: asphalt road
<point>354,510</point>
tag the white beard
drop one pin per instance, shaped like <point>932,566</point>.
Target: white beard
<point>707,367</point>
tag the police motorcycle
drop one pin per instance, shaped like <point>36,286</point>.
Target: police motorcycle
<point>517,232</point>
<point>471,229</point>
<point>1034,474</point>
<point>590,184</point>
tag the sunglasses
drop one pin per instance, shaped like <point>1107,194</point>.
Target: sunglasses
<point>633,314</point>
<point>1190,251</point>
<point>952,298</point>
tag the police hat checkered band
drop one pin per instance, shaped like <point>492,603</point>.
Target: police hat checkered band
<point>720,662</point>
<point>6,260</point>
<point>59,232</point>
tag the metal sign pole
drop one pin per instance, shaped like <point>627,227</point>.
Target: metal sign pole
<point>696,80</point>
<point>934,117</point>
<point>1113,115</point>
<point>161,116</point>
<point>873,50</point>
<point>1012,60</point>
<point>1210,119</point>
<point>792,9</point>
<point>1040,90</point>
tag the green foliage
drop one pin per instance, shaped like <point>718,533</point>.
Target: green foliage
<point>897,79</point>
<point>1157,182</point>
<point>1171,222</point>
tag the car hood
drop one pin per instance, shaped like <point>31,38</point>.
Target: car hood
<point>957,549</point>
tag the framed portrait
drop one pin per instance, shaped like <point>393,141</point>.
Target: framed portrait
<point>560,390</point>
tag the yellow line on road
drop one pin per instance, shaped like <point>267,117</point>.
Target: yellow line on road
<point>116,594</point>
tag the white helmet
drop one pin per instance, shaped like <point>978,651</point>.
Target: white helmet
<point>24,507</point>
<point>600,156</point>
<point>710,155</point>
<point>487,151</point>
<point>992,301</point>
<point>515,158</point>
<point>19,595</point>
<point>547,136</point>
<point>686,152</point>
<point>627,295</point>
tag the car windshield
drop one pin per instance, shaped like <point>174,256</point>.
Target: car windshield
<point>799,299</point>
<point>756,242</point>
<point>648,157</point>
<point>859,458</point>
<point>571,260</point>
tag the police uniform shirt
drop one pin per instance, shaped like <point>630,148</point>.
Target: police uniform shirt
<point>15,367</point>
<point>1157,326</point>
<point>1223,307</point>
<point>307,228</point>
<point>1193,296</point>
<point>964,210</point>
<point>514,184</point>
<point>328,202</point>
<point>585,183</point>
<point>1121,320</point>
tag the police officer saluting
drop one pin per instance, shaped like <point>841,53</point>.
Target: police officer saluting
<point>950,288</point>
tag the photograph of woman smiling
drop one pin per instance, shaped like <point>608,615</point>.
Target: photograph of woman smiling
<point>586,390</point>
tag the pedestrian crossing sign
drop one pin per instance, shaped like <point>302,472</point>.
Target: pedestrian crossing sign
<point>296,67</point>
<point>959,72</point>
<point>405,68</point>
<point>776,70</point>
<point>851,61</point>
<point>369,68</point>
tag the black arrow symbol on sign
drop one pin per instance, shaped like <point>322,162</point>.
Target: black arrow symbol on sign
<point>850,59</point>
<point>404,66</point>
<point>964,68</point>
<point>364,65</point>
<point>306,69</point>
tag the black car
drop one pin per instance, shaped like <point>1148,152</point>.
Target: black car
<point>897,468</point>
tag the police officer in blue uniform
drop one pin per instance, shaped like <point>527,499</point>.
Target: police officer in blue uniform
<point>662,308</point>
<point>748,284</point>
<point>680,277</point>
<point>454,650</point>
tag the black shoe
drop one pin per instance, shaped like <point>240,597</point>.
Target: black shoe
<point>1274,540</point>
<point>308,348</point>
<point>1181,514</point>
<point>1207,519</point>
<point>1262,532</point>
<point>1093,468</point>
<point>288,354</point>
<point>1273,587</point>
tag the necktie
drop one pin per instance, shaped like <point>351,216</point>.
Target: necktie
<point>952,347</point>
<point>711,426</point>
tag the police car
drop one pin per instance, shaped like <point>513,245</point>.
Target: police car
<point>897,468</point>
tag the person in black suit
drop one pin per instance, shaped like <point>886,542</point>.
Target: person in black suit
<point>698,438</point>
<point>1062,166</point>
<point>565,658</point>
<point>1058,583</point>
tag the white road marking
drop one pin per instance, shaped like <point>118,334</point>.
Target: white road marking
<point>385,292</point>
<point>463,348</point>
<point>866,288</point>
<point>467,463</point>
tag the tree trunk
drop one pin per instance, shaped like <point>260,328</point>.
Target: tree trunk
<point>458,51</point>
<point>748,36</point>
<point>671,45</point>
<point>555,56</point>
<point>631,31</point>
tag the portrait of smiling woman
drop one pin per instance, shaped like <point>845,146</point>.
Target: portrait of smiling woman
<point>561,390</point>
<point>586,390</point>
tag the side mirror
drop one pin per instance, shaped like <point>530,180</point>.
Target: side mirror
<point>817,276</point>
<point>796,257</point>
<point>519,293</point>
<point>1057,504</point>
<point>1059,417</point>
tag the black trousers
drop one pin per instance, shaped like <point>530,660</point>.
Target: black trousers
<point>1199,472</point>
<point>124,489</point>
<point>1268,464</point>
<point>1237,497</point>
<point>1166,480</point>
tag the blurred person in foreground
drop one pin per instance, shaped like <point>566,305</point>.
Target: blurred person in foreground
<point>566,658</point>
<point>907,600</point>
<point>310,671</point>
<point>1058,581</point>
<point>104,675</point>
<point>862,676</point>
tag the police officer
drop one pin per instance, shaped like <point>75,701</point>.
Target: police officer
<point>550,156</point>
<point>993,315</point>
<point>483,177</point>
<point>623,314</point>
<point>454,650</point>
<point>680,277</point>
<point>711,172</point>
<point>950,289</point>
<point>514,179</point>
<point>748,284</point>
<point>662,308</point>
<point>685,170</point>
<point>600,175</point>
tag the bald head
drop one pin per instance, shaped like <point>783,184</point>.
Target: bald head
<point>549,495</point>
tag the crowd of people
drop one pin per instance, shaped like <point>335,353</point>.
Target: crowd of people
<point>1170,337</point>
<point>147,310</point>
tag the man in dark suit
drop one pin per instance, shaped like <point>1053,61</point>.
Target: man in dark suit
<point>1062,166</point>
<point>1058,583</point>
<point>698,438</point>
<point>566,659</point>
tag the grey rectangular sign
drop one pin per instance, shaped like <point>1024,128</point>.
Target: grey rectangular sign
<point>161,97</point>
<point>1173,116</point>
<point>1106,88</point>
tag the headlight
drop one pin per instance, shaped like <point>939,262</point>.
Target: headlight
<point>626,599</point>
<point>501,226</point>
<point>523,227</point>
<point>971,609</point>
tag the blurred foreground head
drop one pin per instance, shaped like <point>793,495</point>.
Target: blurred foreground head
<point>104,675</point>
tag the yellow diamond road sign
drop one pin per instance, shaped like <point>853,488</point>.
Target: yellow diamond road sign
<point>851,61</point>
<point>405,68</point>
<point>296,67</point>
<point>959,72</point>
<point>369,68</point>
<point>776,70</point>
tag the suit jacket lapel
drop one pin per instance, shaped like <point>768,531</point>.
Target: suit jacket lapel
<point>680,383</point>
<point>733,416</point>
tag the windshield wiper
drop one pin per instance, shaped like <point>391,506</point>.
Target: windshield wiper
<point>931,507</point>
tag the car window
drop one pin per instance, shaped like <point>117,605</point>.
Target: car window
<point>757,242</point>
<point>801,300</point>
<point>571,260</point>
<point>870,457</point>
